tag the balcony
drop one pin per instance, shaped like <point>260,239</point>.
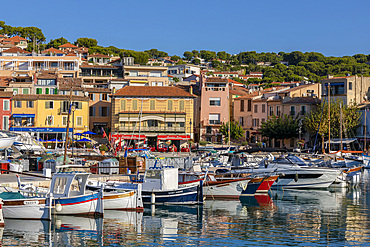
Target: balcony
<point>152,129</point>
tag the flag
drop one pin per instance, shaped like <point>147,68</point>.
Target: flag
<point>104,134</point>
<point>110,137</point>
<point>119,145</point>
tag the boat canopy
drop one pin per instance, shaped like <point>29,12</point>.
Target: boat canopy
<point>337,141</point>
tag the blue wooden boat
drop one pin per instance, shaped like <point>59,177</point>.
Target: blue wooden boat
<point>160,186</point>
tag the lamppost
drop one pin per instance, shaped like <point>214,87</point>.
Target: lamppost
<point>73,108</point>
<point>190,125</point>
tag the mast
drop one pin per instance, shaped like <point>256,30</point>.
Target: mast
<point>67,131</point>
<point>341,120</point>
<point>365,146</point>
<point>228,99</point>
<point>329,115</point>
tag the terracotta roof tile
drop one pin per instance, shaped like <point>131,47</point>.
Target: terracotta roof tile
<point>68,45</point>
<point>99,55</point>
<point>15,39</point>
<point>153,91</point>
<point>6,94</point>
<point>4,81</point>
<point>16,50</point>
<point>48,97</point>
<point>53,50</point>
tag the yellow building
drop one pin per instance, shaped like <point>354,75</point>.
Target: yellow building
<point>46,115</point>
<point>155,113</point>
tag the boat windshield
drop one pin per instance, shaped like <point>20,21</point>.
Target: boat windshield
<point>60,185</point>
<point>153,174</point>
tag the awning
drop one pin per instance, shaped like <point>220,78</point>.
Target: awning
<point>173,137</point>
<point>344,141</point>
<point>23,115</point>
<point>41,130</point>
<point>129,137</point>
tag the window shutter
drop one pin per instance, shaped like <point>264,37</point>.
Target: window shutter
<point>108,113</point>
<point>134,105</point>
<point>123,105</point>
<point>182,105</point>
<point>169,105</point>
<point>100,111</point>
<point>100,97</point>
<point>79,105</point>
<point>55,90</point>
<point>93,111</point>
<point>47,105</point>
<point>46,90</point>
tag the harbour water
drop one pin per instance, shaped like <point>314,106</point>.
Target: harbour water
<point>338,217</point>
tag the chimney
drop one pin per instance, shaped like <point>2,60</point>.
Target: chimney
<point>330,76</point>
<point>191,89</point>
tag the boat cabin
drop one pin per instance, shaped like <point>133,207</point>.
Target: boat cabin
<point>161,178</point>
<point>68,184</point>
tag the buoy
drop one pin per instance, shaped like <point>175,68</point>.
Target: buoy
<point>296,177</point>
<point>1,213</point>
<point>152,199</point>
<point>58,207</point>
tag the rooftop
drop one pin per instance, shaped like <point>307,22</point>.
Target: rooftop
<point>153,91</point>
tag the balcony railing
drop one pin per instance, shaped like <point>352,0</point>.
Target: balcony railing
<point>152,129</point>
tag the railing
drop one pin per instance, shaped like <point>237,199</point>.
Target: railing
<point>215,88</point>
<point>152,129</point>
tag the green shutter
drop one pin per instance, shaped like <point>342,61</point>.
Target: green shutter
<point>55,90</point>
<point>170,103</point>
<point>46,90</point>
<point>152,105</point>
<point>134,105</point>
<point>47,105</point>
<point>123,105</point>
<point>182,105</point>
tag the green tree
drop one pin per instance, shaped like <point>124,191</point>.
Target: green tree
<point>154,53</point>
<point>56,43</point>
<point>320,116</point>
<point>236,132</point>
<point>175,58</point>
<point>223,55</point>
<point>188,55</point>
<point>86,42</point>
<point>195,53</point>
<point>196,61</point>
<point>281,127</point>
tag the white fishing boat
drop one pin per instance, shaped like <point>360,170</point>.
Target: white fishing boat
<point>225,188</point>
<point>119,195</point>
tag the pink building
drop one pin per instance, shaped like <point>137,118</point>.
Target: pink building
<point>5,109</point>
<point>213,108</point>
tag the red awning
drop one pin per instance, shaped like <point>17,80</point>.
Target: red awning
<point>129,137</point>
<point>173,137</point>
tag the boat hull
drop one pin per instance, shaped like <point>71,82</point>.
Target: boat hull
<point>28,208</point>
<point>226,189</point>
<point>78,205</point>
<point>252,187</point>
<point>266,184</point>
<point>6,142</point>
<point>122,201</point>
<point>184,195</point>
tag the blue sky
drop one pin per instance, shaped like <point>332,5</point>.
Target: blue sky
<point>331,27</point>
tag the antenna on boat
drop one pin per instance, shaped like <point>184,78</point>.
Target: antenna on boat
<point>67,131</point>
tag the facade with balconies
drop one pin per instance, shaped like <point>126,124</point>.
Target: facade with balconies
<point>153,114</point>
<point>213,107</point>
<point>139,75</point>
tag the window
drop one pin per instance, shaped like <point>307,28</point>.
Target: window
<point>134,105</point>
<point>209,130</point>
<point>271,111</point>
<point>17,104</point>
<point>38,90</point>
<point>133,73</point>
<point>214,101</point>
<point>214,118</point>
<point>182,105</point>
<point>15,90</point>
<point>103,96</point>
<point>92,96</point>
<point>152,123</point>
<point>103,111</point>
<point>292,110</point>
<point>263,108</point>
<point>79,121</point>
<point>241,121</point>
<point>77,105</point>
<point>182,124</point>
<point>169,124</point>
<point>5,122</point>
<point>152,105</point>
<point>249,105</point>
<point>46,90</point>
<point>6,105</point>
<point>50,104</point>
<point>278,111</point>
<point>155,74</point>
<point>256,122</point>
<point>335,88</point>
<point>303,110</point>
<point>242,105</point>
<point>169,105</point>
<point>123,105</point>
<point>26,91</point>
<point>30,104</point>
<point>92,111</point>
<point>255,108</point>
<point>350,85</point>
<point>64,120</point>
<point>50,120</point>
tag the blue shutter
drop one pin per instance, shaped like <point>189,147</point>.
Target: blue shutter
<point>108,113</point>
<point>100,111</point>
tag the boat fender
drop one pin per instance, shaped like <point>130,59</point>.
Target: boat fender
<point>152,199</point>
<point>296,177</point>
<point>1,213</point>
<point>58,207</point>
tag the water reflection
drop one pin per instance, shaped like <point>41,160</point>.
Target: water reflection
<point>290,217</point>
